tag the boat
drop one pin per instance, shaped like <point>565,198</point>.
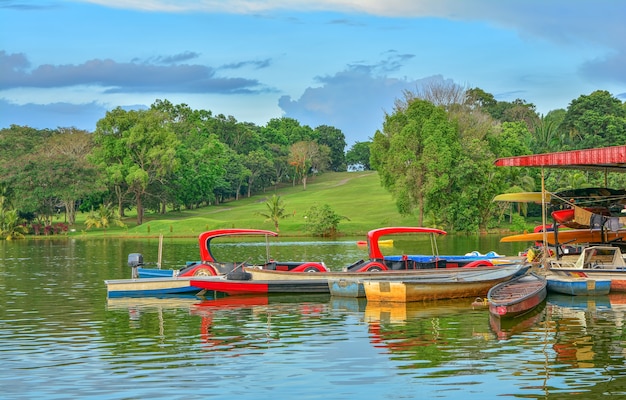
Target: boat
<point>596,262</point>
<point>459,283</point>
<point>570,236</point>
<point>149,287</point>
<point>388,242</point>
<point>210,266</point>
<point>378,262</point>
<point>578,285</point>
<point>517,296</point>
<point>567,216</point>
<point>178,281</point>
<point>226,284</point>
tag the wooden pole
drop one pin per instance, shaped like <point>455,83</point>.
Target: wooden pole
<point>160,256</point>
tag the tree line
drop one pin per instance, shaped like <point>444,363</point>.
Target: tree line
<point>434,153</point>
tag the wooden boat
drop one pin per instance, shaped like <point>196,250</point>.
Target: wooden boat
<point>596,262</point>
<point>210,266</point>
<point>578,285</point>
<point>517,296</point>
<point>458,283</point>
<point>377,261</point>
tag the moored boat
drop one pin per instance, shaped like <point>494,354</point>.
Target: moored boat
<point>141,287</point>
<point>596,262</point>
<point>223,284</point>
<point>210,266</point>
<point>578,285</point>
<point>517,296</point>
<point>458,283</point>
<point>377,261</point>
<point>178,281</point>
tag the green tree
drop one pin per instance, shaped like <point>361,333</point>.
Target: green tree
<point>359,155</point>
<point>414,156</point>
<point>259,166</point>
<point>275,211</point>
<point>596,120</point>
<point>323,221</point>
<point>135,149</point>
<point>336,142</point>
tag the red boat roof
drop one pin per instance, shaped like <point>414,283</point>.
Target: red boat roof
<point>205,239</point>
<point>374,235</point>
<point>611,159</point>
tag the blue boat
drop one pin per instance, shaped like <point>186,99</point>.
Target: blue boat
<point>578,285</point>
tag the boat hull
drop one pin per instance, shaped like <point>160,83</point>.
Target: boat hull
<point>149,287</point>
<point>578,286</point>
<point>571,236</point>
<point>453,286</point>
<point>239,287</point>
<point>342,287</point>
<point>517,296</point>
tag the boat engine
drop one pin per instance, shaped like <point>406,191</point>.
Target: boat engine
<point>134,261</point>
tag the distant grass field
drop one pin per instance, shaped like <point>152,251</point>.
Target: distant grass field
<point>355,195</point>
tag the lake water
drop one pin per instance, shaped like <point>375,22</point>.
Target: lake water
<point>61,338</point>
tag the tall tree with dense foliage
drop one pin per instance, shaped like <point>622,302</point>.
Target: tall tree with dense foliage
<point>336,142</point>
<point>414,156</point>
<point>596,120</point>
<point>135,148</point>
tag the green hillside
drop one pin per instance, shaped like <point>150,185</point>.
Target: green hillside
<point>355,195</point>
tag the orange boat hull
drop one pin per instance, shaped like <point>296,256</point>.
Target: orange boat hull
<point>572,236</point>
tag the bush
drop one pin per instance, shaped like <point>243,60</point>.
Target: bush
<point>323,221</point>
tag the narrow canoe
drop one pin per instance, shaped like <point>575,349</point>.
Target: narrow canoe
<point>452,286</point>
<point>517,296</point>
<point>578,285</point>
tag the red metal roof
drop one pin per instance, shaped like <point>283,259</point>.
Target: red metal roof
<point>612,159</point>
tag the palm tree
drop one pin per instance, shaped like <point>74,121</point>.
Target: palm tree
<point>275,211</point>
<point>103,218</point>
<point>11,225</point>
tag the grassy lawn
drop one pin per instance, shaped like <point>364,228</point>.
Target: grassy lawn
<point>355,195</point>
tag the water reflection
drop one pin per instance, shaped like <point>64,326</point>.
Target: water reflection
<point>61,335</point>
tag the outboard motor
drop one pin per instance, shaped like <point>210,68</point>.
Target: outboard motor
<point>134,261</point>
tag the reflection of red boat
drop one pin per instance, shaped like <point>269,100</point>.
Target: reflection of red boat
<point>504,328</point>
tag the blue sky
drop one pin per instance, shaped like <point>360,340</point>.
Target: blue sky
<point>322,62</point>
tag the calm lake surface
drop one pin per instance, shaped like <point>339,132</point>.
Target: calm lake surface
<point>61,338</point>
